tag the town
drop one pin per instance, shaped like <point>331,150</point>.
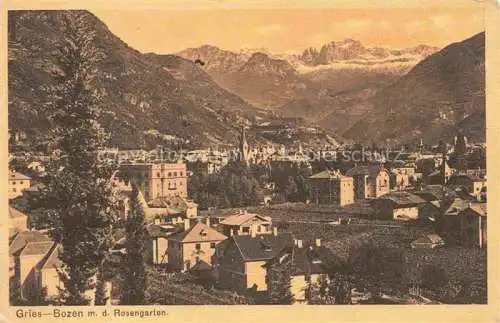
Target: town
<point>410,224</point>
<point>321,166</point>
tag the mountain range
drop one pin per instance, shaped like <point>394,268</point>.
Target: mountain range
<point>150,99</point>
<point>271,81</point>
<point>441,95</point>
<point>362,93</point>
<point>202,95</point>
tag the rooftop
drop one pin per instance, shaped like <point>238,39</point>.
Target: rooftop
<point>21,239</point>
<point>370,170</point>
<point>263,247</point>
<point>240,218</point>
<point>200,232</point>
<point>403,198</point>
<point>17,176</point>
<point>328,174</point>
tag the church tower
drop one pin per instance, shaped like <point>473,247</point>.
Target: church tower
<point>460,151</point>
<point>444,169</point>
<point>244,150</point>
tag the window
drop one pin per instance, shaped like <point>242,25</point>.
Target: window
<point>169,174</point>
<point>181,174</point>
<point>158,175</point>
<point>21,182</point>
<point>198,246</point>
<point>246,229</point>
<point>258,228</point>
<point>14,189</point>
<point>212,245</point>
<point>14,182</point>
<point>175,174</point>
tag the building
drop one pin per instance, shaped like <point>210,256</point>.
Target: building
<point>448,225</point>
<point>309,267</point>
<point>17,184</point>
<point>398,206</point>
<point>157,241</point>
<point>241,260</point>
<point>331,187</point>
<point>34,263</point>
<point>195,243</point>
<point>34,257</point>
<point>157,180</point>
<point>472,184</point>
<point>473,225</point>
<point>369,181</point>
<point>18,221</point>
<point>244,223</point>
<point>437,192</point>
<point>172,207</point>
<point>399,179</point>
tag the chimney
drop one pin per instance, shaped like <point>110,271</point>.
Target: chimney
<point>275,231</point>
<point>207,221</point>
<point>299,243</point>
<point>186,224</point>
<point>318,242</point>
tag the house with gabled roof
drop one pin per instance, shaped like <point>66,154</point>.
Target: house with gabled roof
<point>243,223</point>
<point>157,241</point>
<point>473,225</point>
<point>33,257</point>
<point>241,259</point>
<point>34,264</point>
<point>470,183</point>
<point>370,181</point>
<point>195,243</point>
<point>400,205</point>
<point>449,225</point>
<point>309,266</point>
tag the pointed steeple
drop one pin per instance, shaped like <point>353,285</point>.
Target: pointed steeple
<point>460,151</point>
<point>243,146</point>
<point>444,168</point>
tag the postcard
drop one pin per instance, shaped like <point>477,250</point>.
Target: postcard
<point>237,161</point>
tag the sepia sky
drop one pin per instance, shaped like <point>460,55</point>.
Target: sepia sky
<point>291,30</point>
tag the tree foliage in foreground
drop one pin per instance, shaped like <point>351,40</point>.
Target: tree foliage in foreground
<point>78,194</point>
<point>135,279</point>
<point>279,283</point>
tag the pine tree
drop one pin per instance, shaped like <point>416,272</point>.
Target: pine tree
<point>279,283</point>
<point>78,192</point>
<point>135,278</point>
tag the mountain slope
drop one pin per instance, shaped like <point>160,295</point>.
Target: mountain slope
<point>445,91</point>
<point>306,85</point>
<point>149,98</point>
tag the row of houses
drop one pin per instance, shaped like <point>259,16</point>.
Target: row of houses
<point>360,182</point>
<point>458,220</point>
<point>236,261</point>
